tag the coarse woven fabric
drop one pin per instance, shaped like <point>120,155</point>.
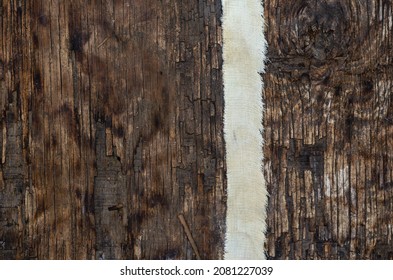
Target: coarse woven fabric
<point>243,53</point>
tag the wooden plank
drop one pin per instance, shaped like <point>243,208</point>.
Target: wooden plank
<point>329,133</point>
<point>15,73</point>
<point>115,130</point>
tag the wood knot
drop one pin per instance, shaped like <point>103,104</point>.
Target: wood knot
<point>318,28</point>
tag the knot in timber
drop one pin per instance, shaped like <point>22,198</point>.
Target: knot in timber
<point>317,29</point>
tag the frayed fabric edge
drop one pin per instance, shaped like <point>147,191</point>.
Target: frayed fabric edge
<point>243,60</point>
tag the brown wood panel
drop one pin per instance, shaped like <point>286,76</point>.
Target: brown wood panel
<point>329,129</point>
<point>111,126</point>
<point>15,90</point>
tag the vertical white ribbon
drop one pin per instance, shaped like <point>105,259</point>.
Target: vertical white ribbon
<point>243,54</point>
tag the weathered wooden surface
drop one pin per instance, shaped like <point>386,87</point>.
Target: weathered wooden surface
<point>329,129</point>
<point>111,126</point>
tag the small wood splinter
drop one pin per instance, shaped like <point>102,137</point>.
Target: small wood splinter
<point>102,43</point>
<point>115,207</point>
<point>189,235</point>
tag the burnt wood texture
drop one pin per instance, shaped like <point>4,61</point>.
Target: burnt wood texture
<point>329,129</point>
<point>110,128</point>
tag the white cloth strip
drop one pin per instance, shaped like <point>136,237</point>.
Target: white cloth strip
<point>243,54</point>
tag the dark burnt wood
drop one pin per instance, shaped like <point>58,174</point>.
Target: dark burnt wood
<point>111,126</point>
<point>329,129</point>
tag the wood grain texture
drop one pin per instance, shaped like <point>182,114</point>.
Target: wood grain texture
<point>329,133</point>
<point>111,127</point>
